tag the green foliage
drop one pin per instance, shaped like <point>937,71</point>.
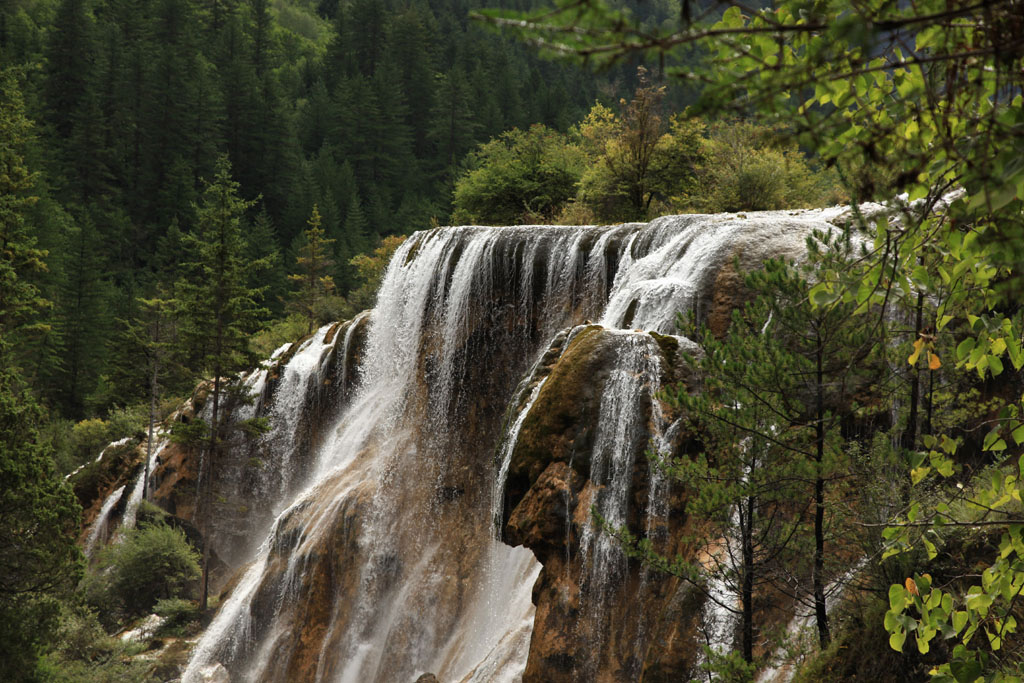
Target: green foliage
<point>20,259</point>
<point>39,560</point>
<point>84,653</point>
<point>280,332</point>
<point>315,287</point>
<point>370,270</point>
<point>639,160</point>
<point>635,165</point>
<point>518,177</point>
<point>152,562</point>
<point>745,169</point>
<point>179,614</point>
<point>80,443</point>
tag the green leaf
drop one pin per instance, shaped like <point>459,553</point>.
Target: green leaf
<point>1018,435</point>
<point>897,639</point>
<point>959,620</point>
<point>992,441</point>
<point>965,670</point>
<point>897,597</point>
<point>964,348</point>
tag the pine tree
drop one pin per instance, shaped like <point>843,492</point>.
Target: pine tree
<point>20,300</point>
<point>39,517</point>
<point>40,520</point>
<point>83,316</point>
<point>218,313</point>
<point>783,380</point>
<point>154,331</point>
<point>314,284</point>
<point>262,246</point>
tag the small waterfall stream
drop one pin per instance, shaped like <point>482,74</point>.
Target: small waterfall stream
<point>383,564</point>
<point>100,524</point>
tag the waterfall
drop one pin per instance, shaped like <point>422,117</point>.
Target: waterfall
<point>622,435</point>
<point>384,564</point>
<point>138,490</point>
<point>99,525</point>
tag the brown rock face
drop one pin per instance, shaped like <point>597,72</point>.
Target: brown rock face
<point>247,482</point>
<point>615,622</point>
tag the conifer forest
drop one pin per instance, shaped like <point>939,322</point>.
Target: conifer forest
<point>542,341</point>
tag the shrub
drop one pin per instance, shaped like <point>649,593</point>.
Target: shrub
<point>519,177</point>
<point>154,561</point>
<point>84,653</point>
<point>750,168</point>
<point>178,613</point>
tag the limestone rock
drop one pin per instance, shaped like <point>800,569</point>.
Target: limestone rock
<point>215,673</point>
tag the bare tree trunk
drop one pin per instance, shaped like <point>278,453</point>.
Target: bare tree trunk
<point>747,589</point>
<point>909,440</point>
<point>818,579</point>
<point>152,423</point>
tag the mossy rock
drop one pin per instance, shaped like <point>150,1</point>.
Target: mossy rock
<point>669,346</point>
<point>98,478</point>
<point>562,422</point>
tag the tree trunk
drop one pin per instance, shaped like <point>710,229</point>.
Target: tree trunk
<point>909,440</point>
<point>207,495</point>
<point>747,589</point>
<point>818,579</point>
<point>152,423</point>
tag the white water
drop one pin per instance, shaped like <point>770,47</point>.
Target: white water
<point>432,315</point>
<point>138,490</point>
<point>624,430</point>
<point>297,377</point>
<point>508,444</point>
<point>781,671</point>
<point>100,523</point>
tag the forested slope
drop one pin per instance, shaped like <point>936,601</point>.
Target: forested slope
<point>363,108</point>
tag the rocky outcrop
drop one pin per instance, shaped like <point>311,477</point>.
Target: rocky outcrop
<point>615,622</point>
<point>116,466</point>
<point>254,472</point>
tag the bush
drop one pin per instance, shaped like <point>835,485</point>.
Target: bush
<point>75,444</point>
<point>154,561</point>
<point>84,653</point>
<point>749,168</point>
<point>178,613</point>
<point>519,177</point>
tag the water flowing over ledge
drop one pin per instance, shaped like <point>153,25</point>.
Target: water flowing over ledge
<point>384,563</point>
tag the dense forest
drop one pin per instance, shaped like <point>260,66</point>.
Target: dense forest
<point>363,109</point>
<point>186,185</point>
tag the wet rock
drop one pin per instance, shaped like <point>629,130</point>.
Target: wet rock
<point>625,626</point>
<point>117,466</point>
<point>144,630</point>
<point>561,423</point>
<point>539,521</point>
<point>215,673</point>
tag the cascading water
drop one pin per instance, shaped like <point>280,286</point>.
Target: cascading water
<point>623,432</point>
<point>138,489</point>
<point>99,525</point>
<point>385,564</point>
